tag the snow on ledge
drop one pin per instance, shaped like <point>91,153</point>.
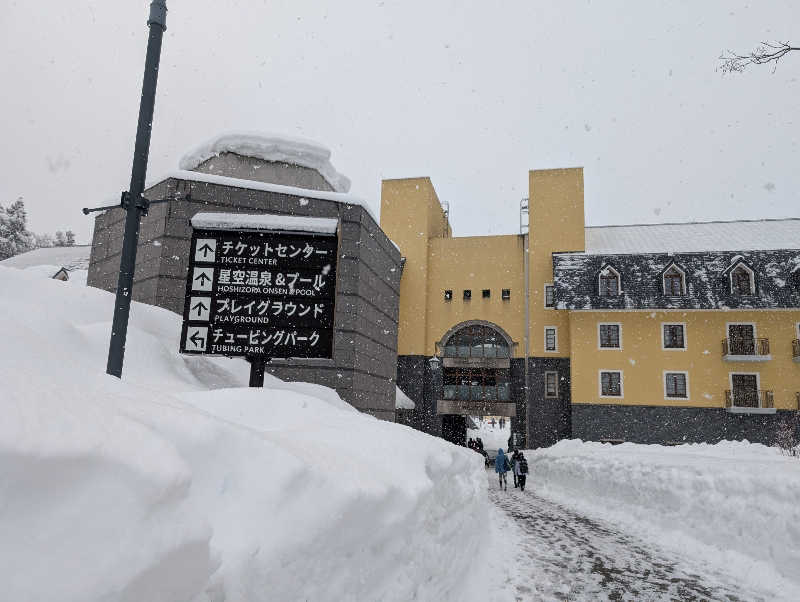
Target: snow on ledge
<point>197,176</point>
<point>269,147</point>
<point>264,221</point>
<point>403,401</point>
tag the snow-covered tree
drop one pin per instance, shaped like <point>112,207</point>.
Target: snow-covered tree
<point>14,235</point>
<point>44,241</point>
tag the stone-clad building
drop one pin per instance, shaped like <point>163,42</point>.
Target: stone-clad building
<point>253,174</point>
<point>657,333</point>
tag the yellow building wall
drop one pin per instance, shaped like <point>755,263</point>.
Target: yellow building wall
<point>643,362</point>
<point>555,205</point>
<point>411,215</point>
<point>476,263</point>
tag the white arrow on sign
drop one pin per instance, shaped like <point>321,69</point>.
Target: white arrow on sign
<point>199,308</point>
<point>196,338</point>
<point>205,250</point>
<point>202,279</point>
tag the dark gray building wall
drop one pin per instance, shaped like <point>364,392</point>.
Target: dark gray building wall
<point>417,380</point>
<point>363,370</point>
<point>665,424</point>
<point>549,419</point>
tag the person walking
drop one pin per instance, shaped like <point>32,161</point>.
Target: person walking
<point>501,466</point>
<point>514,457</point>
<point>521,470</point>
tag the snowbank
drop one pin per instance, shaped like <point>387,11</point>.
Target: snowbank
<point>269,147</point>
<point>733,502</point>
<point>176,484</point>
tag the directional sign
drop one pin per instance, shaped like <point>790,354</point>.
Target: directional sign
<point>205,250</point>
<point>260,294</point>
<point>196,338</point>
<point>199,308</point>
<point>202,279</point>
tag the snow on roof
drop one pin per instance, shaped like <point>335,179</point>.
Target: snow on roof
<point>752,235</point>
<point>196,176</point>
<point>403,401</point>
<point>246,221</point>
<point>269,147</point>
<point>70,258</point>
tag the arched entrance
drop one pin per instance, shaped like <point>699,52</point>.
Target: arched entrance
<point>476,379</point>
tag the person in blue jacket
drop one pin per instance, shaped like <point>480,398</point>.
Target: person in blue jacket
<point>501,466</point>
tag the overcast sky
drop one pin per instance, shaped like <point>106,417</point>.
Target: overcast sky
<point>472,94</point>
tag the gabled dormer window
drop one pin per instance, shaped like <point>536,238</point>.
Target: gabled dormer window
<point>608,282</point>
<point>674,284</point>
<point>743,281</point>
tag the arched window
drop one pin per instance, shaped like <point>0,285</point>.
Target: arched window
<point>743,281</point>
<point>609,282</point>
<point>476,340</point>
<point>674,282</point>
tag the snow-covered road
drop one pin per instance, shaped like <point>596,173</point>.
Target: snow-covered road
<point>554,553</point>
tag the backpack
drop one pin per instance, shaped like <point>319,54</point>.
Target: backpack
<point>523,466</point>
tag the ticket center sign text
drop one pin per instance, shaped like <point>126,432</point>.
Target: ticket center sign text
<point>266,294</point>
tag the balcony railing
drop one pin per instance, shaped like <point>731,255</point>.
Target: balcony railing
<point>752,348</point>
<point>796,350</point>
<point>796,401</point>
<point>749,399</point>
<point>476,351</point>
<point>477,392</point>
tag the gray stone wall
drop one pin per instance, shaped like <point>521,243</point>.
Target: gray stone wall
<point>232,165</point>
<point>667,424</point>
<point>364,367</point>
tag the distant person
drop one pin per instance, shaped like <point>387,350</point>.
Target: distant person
<point>502,423</point>
<point>521,471</point>
<point>471,443</point>
<point>514,457</point>
<point>479,443</point>
<point>501,466</point>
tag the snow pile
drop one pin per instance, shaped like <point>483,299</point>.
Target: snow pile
<point>734,502</point>
<point>264,221</point>
<point>269,147</point>
<point>174,484</point>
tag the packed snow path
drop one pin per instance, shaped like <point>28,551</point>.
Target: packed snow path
<point>562,555</point>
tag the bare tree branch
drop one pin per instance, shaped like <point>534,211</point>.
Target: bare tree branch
<point>764,53</point>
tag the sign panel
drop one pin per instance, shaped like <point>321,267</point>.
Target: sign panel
<point>260,294</point>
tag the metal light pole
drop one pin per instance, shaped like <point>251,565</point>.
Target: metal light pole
<point>133,202</point>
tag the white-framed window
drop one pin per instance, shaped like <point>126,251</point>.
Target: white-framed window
<point>743,280</point>
<point>676,384</point>
<point>745,388</point>
<point>741,337</point>
<point>609,282</point>
<point>674,282</point>
<point>673,336</point>
<point>611,383</point>
<point>551,384</point>
<point>549,295</point>
<point>609,335</point>
<point>551,338</point>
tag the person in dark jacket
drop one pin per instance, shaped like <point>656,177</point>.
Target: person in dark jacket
<point>521,471</point>
<point>501,466</point>
<point>514,457</point>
